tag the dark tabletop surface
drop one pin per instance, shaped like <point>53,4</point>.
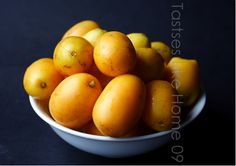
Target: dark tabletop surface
<point>31,29</point>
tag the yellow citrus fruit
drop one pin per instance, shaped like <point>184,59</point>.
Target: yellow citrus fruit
<point>71,103</point>
<point>159,104</point>
<point>41,78</point>
<point>73,55</point>
<point>184,75</point>
<point>139,40</point>
<point>163,50</point>
<point>150,65</point>
<point>81,28</point>
<point>114,54</point>
<point>120,105</point>
<point>93,35</point>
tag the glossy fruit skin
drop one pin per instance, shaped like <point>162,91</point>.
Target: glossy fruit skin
<point>41,78</point>
<point>120,105</point>
<point>159,104</point>
<point>163,50</point>
<point>81,28</point>
<point>93,35</point>
<point>114,54</point>
<point>103,79</point>
<point>139,40</point>
<point>184,73</point>
<point>73,55</point>
<point>72,102</point>
<point>150,65</point>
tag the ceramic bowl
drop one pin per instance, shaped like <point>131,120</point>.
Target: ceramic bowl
<point>114,147</point>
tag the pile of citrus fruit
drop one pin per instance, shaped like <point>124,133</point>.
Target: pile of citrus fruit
<point>109,83</point>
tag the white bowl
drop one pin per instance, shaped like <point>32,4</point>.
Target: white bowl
<point>114,147</point>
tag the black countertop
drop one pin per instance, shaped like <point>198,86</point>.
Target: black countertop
<point>31,29</point>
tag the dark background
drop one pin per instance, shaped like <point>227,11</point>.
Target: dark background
<point>31,29</point>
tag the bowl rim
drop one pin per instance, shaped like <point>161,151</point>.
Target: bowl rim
<point>201,100</point>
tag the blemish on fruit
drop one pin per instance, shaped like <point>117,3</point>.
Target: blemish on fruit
<point>67,66</point>
<point>43,85</point>
<point>92,84</point>
<point>82,64</point>
<point>73,53</point>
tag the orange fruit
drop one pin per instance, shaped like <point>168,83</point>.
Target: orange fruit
<point>73,55</point>
<point>41,78</point>
<point>81,28</point>
<point>163,50</point>
<point>183,74</point>
<point>159,104</point>
<point>72,102</point>
<point>93,35</point>
<point>139,40</point>
<point>150,65</point>
<point>119,107</point>
<point>114,54</point>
